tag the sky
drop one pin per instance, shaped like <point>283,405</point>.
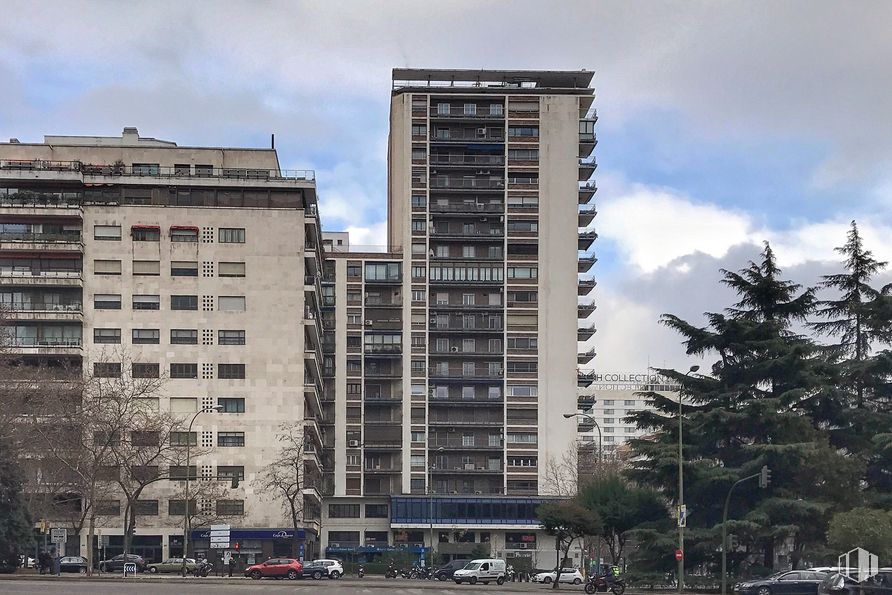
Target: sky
<point>722,125</point>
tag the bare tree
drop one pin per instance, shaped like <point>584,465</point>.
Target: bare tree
<point>285,478</point>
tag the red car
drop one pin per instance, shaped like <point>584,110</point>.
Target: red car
<point>276,568</point>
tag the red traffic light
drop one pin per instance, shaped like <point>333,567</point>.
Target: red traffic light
<point>679,555</point>
<point>236,545</point>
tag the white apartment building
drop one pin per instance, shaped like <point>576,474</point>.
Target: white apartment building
<point>200,265</point>
<point>454,353</point>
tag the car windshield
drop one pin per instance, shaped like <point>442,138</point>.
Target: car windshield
<point>472,566</point>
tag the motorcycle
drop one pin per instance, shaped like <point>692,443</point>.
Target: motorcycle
<point>361,571</point>
<point>203,568</point>
<point>409,573</point>
<point>615,585</point>
<point>423,572</point>
<point>391,571</point>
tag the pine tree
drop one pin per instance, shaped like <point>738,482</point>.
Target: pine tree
<point>747,412</point>
<point>15,524</point>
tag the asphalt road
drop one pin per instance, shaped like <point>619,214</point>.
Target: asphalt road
<point>152,585</point>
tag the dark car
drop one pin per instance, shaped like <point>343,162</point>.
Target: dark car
<point>792,582</point>
<point>276,568</point>
<point>315,570</point>
<point>116,564</point>
<point>444,573</point>
<point>838,584</point>
<point>73,564</point>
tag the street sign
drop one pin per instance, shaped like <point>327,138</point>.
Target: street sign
<point>683,515</point>
<point>679,555</point>
<point>58,535</point>
<point>219,537</point>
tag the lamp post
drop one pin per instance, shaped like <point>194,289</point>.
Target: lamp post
<point>186,499</point>
<point>681,521</point>
<point>600,459</point>
<point>430,493</point>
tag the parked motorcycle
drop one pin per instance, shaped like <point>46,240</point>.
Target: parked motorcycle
<point>615,585</point>
<point>391,571</point>
<point>423,572</point>
<point>203,568</point>
<point>361,571</point>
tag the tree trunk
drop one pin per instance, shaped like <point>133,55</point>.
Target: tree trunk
<point>90,533</point>
<point>558,564</point>
<point>295,547</point>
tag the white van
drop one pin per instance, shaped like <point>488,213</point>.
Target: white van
<point>483,570</point>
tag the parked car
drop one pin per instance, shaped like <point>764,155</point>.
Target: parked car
<point>117,563</point>
<point>792,582</point>
<point>316,569</point>
<point>172,565</point>
<point>73,564</point>
<point>444,573</point>
<point>276,568</point>
<point>483,570</point>
<point>568,575</point>
<point>838,584</point>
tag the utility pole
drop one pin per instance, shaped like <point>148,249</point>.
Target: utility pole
<point>186,499</point>
<point>682,511</point>
<point>764,476</point>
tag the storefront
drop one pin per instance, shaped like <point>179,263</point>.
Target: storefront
<point>250,546</point>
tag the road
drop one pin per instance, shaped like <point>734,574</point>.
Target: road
<point>145,585</point>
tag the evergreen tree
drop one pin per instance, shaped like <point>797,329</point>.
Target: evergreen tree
<point>856,408</point>
<point>15,524</point>
<point>747,412</point>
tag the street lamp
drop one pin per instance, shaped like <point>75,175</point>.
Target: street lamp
<point>186,499</point>
<point>430,492</point>
<point>681,521</point>
<point>594,423</point>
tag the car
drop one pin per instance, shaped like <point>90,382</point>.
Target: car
<point>791,582</point>
<point>73,564</point>
<point>316,569</point>
<point>444,573</point>
<point>839,584</point>
<point>117,563</point>
<point>276,568</point>
<point>568,575</point>
<point>171,565</point>
<point>483,570</point>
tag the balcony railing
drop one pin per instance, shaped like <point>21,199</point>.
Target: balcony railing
<point>476,183</point>
<point>459,112</point>
<point>40,237</point>
<point>479,374</point>
<point>156,171</point>
<point>30,273</point>
<point>466,135</point>
<point>391,349</point>
<point>444,159</point>
<point>41,307</point>
<point>44,342</point>
<point>467,208</point>
<point>493,233</point>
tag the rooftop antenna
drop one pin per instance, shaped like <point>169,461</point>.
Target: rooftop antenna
<point>272,141</point>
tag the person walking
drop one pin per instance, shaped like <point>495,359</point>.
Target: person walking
<point>231,565</point>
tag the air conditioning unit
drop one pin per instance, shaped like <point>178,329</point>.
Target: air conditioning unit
<point>433,321</point>
<point>453,349</point>
<point>469,466</point>
<point>481,131</point>
<point>368,323</point>
<point>334,545</point>
<point>353,443</point>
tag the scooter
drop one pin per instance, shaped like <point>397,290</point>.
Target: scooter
<point>203,568</point>
<point>391,571</point>
<point>361,571</point>
<point>605,582</point>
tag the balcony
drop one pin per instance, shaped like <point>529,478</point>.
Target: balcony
<point>468,208</point>
<point>585,358</point>
<point>458,445</point>
<point>587,215</point>
<point>382,470</point>
<point>586,239</point>
<point>383,350</point>
<point>468,135</point>
<point>462,469</point>
<point>466,422</point>
<point>584,380</point>
<point>383,444</point>
<point>585,310</point>
<point>587,191</point>
<point>469,234</point>
<point>585,262</point>
<point>467,183</point>
<point>587,166</point>
<point>481,401</point>
<point>458,326</point>
<point>447,159</point>
<point>585,333</point>
<point>586,286</point>
<point>383,373</point>
<point>43,242</point>
<point>457,112</point>
<point>42,278</point>
<point>383,302</point>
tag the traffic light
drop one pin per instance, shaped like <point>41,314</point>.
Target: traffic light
<point>236,546</point>
<point>764,477</point>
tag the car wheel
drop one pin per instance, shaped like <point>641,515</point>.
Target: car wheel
<point>152,570</point>
<point>442,576</point>
<point>764,591</point>
<point>256,575</point>
<point>547,580</point>
<point>292,575</point>
<point>577,581</point>
<point>457,581</point>
<point>501,580</point>
<point>334,574</point>
<point>473,580</point>
<point>317,575</point>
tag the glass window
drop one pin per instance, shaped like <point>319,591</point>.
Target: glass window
<point>231,303</point>
<point>183,234</point>
<point>146,302</point>
<point>142,370</point>
<point>107,301</point>
<point>231,235</point>
<point>146,336</point>
<point>343,511</point>
<point>232,404</point>
<point>230,439</point>
<point>107,267</point>
<point>376,511</point>
<point>231,269</point>
<point>183,404</point>
<point>231,338</point>
<point>183,336</point>
<point>231,371</point>
<point>107,369</point>
<point>107,335</point>
<point>391,271</point>
<point>145,233</point>
<point>107,232</point>
<point>183,269</point>
<point>184,302</point>
<point>146,267</point>
<point>183,370</point>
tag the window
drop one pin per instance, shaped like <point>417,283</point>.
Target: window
<point>231,338</point>
<point>443,109</point>
<point>230,507</point>
<point>418,272</point>
<point>343,511</point>
<point>107,301</point>
<point>181,336</point>
<point>107,232</point>
<point>146,302</point>
<point>183,269</point>
<point>109,336</point>
<point>147,233</point>
<point>183,234</point>
<point>494,392</point>
<point>494,440</point>
<point>419,130</point>
<point>107,267</point>
<point>184,302</point>
<point>467,392</point>
<point>183,404</point>
<point>523,343</point>
<point>417,249</point>
<point>419,201</point>
<point>467,440</point>
<point>521,438</point>
<point>524,154</point>
<point>231,303</point>
<point>470,109</point>
<point>108,507</point>
<point>523,390</point>
<point>231,235</point>
<point>146,508</point>
<point>231,269</point>
<point>417,436</point>
<point>419,225</point>
<point>146,337</point>
<point>230,438</point>
<point>230,472</point>
<point>523,366</point>
<point>376,511</point>
<point>629,403</point>
<point>523,226</point>
<point>523,131</point>
<point>496,109</point>
<point>418,295</point>
<point>391,271</point>
<point>107,369</point>
<point>184,370</point>
<point>146,267</point>
<point>138,370</point>
<point>178,507</point>
<point>231,371</point>
<point>417,461</point>
<point>523,272</point>
<point>232,404</point>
